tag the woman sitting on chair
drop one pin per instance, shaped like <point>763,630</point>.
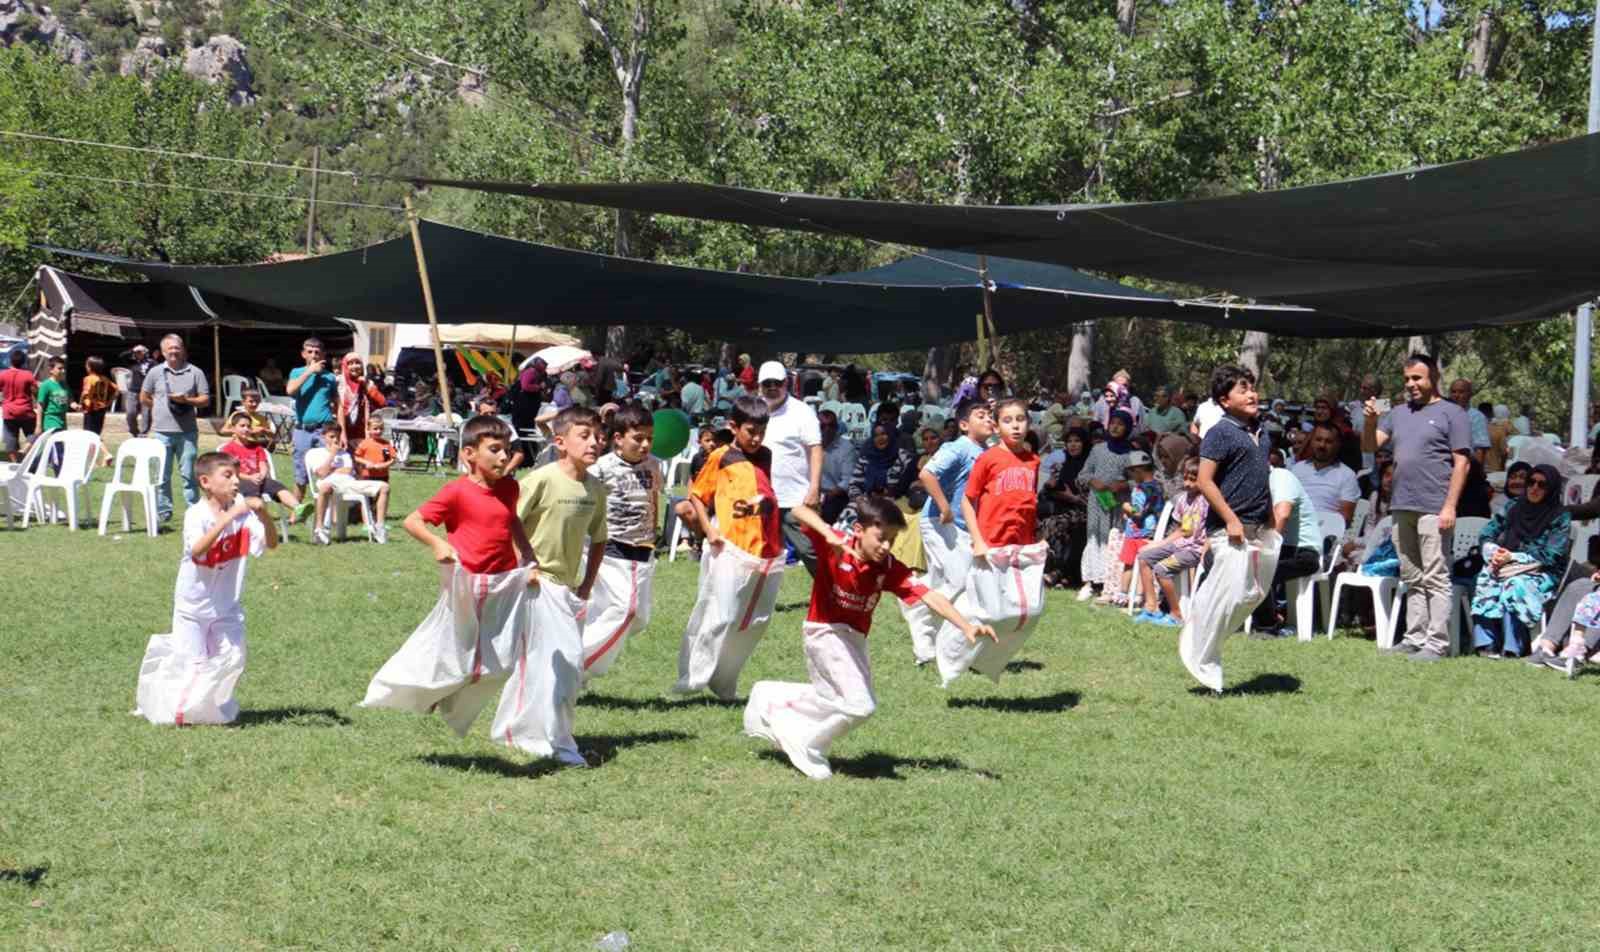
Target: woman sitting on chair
<point>1524,553</point>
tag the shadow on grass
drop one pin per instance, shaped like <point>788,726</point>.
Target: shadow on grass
<point>612,703</point>
<point>1260,684</point>
<point>791,606</point>
<point>298,716</point>
<point>1018,666</point>
<point>30,876</point>
<point>877,765</point>
<point>1048,704</point>
<point>597,749</point>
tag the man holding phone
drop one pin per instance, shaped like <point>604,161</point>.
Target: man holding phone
<point>315,389</point>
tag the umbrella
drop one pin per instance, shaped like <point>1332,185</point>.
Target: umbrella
<point>559,358</point>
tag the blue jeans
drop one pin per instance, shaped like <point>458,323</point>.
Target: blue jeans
<point>183,447</point>
<point>1506,634</point>
<point>304,440</point>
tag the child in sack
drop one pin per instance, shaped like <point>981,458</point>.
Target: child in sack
<point>853,571</point>
<point>619,605</point>
<point>1005,586</point>
<point>188,676</point>
<point>563,513</point>
<point>468,645</point>
<point>742,564</point>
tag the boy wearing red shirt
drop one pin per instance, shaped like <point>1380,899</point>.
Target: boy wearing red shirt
<point>1001,504</point>
<point>255,476</point>
<point>477,632</point>
<point>852,572</point>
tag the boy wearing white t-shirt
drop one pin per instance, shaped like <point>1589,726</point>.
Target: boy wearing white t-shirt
<point>188,676</point>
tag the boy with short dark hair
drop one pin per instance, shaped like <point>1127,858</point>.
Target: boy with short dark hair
<point>255,477</point>
<point>478,631</point>
<point>742,565</point>
<point>619,604</point>
<point>188,676</point>
<point>853,571</point>
<point>563,509</point>
<point>338,475</point>
<point>1005,584</point>
<point>1234,478</point>
<point>946,537</point>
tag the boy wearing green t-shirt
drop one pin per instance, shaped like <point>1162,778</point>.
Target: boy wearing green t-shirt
<point>560,506</point>
<point>54,401</point>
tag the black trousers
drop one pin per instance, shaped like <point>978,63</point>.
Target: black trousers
<point>1293,562</point>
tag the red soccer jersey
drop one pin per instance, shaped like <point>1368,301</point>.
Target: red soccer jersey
<point>1003,488</point>
<point>252,459</point>
<point>846,588</point>
<point>478,522</point>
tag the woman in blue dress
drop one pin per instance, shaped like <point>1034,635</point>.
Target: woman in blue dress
<point>1524,554</point>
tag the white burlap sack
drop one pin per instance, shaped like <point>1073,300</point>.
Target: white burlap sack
<point>619,606</point>
<point>737,594</point>
<point>462,652</point>
<point>1005,590</point>
<point>1237,581</point>
<point>805,720</point>
<point>536,709</point>
<point>188,677</point>
<point>948,551</point>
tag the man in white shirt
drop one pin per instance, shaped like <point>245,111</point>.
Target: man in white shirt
<point>1461,396</point>
<point>1331,484</point>
<point>1206,416</point>
<point>838,466</point>
<point>795,440</point>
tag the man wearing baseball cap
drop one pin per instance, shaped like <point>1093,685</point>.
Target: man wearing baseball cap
<point>139,364</point>
<point>795,440</point>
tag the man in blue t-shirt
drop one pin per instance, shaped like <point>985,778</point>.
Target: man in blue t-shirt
<point>315,389</point>
<point>1431,438</point>
<point>946,544</point>
<point>1234,478</point>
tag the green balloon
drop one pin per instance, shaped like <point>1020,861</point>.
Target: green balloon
<point>671,434</point>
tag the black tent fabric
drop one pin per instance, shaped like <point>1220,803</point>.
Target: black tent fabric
<point>1498,240</point>
<point>133,310</point>
<point>478,277</point>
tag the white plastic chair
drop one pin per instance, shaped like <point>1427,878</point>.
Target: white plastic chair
<point>283,514</point>
<point>14,480</point>
<point>80,451</point>
<point>1134,584</point>
<point>1468,536</point>
<point>144,456</point>
<point>1385,591</point>
<point>1301,591</point>
<point>339,512</point>
<point>1580,488</point>
<point>853,420</point>
<point>232,392</point>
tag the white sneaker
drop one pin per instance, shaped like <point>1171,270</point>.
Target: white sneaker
<point>320,537</point>
<point>1086,592</point>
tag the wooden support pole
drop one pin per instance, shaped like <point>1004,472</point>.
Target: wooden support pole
<point>988,309</point>
<point>427,301</point>
<point>511,359</point>
<point>311,207</point>
<point>216,366</point>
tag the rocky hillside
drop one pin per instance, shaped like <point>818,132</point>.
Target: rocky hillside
<point>135,38</point>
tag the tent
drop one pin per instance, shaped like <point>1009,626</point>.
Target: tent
<point>1491,241</point>
<point>485,278</point>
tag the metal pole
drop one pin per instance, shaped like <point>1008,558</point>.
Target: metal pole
<point>1583,333</point>
<point>427,301</point>
<point>988,309</point>
<point>216,366</point>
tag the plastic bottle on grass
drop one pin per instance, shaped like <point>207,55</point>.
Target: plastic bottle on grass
<point>613,941</point>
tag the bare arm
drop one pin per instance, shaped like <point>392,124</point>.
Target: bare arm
<point>419,530</point>
<point>930,482</point>
<point>267,525</point>
<point>980,545</point>
<point>809,517</point>
<point>814,463</point>
<point>597,552</point>
<point>209,538</point>
<point>941,606</point>
<point>1219,505</point>
<point>1348,510</point>
<point>1280,516</point>
<point>1371,436</point>
<point>713,534</point>
<point>519,538</point>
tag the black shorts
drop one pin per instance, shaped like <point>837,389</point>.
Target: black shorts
<point>633,553</point>
<point>266,486</point>
<point>16,429</point>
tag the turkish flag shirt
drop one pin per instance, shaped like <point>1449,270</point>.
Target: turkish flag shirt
<point>846,588</point>
<point>209,586</point>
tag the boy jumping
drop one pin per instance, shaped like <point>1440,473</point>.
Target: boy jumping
<point>620,602</point>
<point>188,676</point>
<point>804,720</point>
<point>1233,477</point>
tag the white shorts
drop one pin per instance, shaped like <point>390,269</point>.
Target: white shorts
<point>369,488</point>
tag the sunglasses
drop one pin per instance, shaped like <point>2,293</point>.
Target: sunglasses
<point>1541,483</point>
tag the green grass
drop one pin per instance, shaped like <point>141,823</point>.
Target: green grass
<point>1092,800</point>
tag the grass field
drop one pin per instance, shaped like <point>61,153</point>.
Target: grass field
<point>1334,799</point>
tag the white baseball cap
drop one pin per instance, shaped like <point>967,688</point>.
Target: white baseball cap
<point>772,370</point>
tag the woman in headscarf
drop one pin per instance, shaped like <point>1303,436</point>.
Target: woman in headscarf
<point>1524,554</point>
<point>1112,398</point>
<point>1516,482</point>
<point>1105,489</point>
<point>532,389</point>
<point>1063,517</point>
<point>883,467</point>
<point>357,396</point>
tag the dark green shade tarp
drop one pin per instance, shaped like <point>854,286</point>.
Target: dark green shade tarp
<point>1491,241</point>
<point>476,277</point>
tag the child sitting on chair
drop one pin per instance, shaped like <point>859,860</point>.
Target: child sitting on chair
<point>338,475</point>
<point>255,476</point>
